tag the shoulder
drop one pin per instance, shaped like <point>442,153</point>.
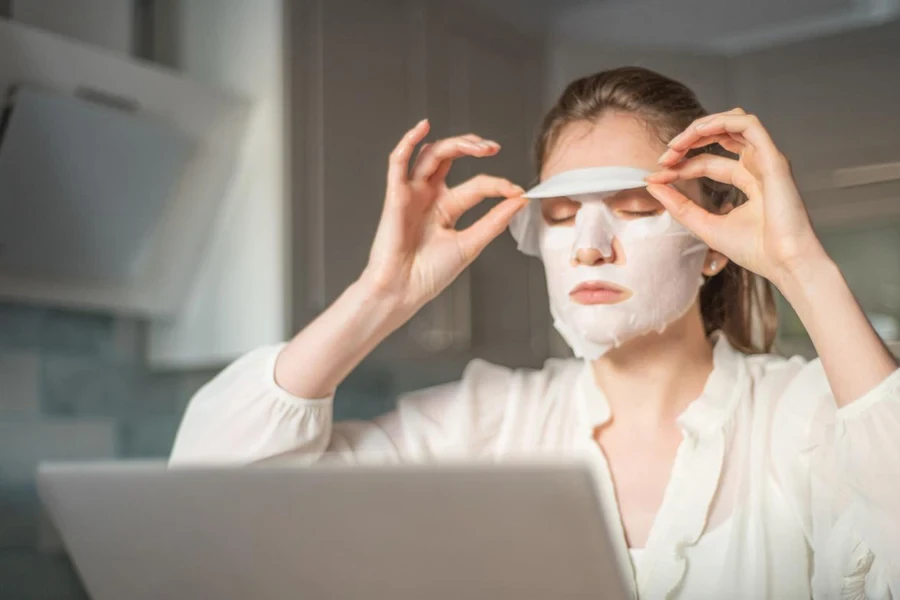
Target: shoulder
<point>795,396</point>
<point>489,399</point>
<point>554,375</point>
<point>776,377</point>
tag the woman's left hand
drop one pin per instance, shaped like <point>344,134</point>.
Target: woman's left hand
<point>771,233</point>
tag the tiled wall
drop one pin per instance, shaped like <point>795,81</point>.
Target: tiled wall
<point>72,386</point>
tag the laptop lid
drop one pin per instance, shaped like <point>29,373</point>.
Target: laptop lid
<point>452,531</point>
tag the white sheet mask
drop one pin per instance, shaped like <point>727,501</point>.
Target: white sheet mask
<point>661,263</point>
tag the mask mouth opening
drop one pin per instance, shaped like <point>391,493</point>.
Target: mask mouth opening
<point>593,292</point>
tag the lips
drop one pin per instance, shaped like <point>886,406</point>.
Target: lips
<point>599,292</point>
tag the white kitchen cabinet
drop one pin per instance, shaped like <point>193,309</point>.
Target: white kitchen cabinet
<point>238,299</point>
<point>357,74</point>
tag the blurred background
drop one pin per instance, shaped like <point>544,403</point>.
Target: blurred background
<point>182,181</point>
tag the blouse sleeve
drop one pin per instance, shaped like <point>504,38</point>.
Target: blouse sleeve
<point>842,469</point>
<point>243,416</point>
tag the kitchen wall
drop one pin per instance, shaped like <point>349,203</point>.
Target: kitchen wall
<point>75,385</point>
<point>72,385</point>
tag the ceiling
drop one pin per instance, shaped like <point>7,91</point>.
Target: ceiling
<point>716,26</point>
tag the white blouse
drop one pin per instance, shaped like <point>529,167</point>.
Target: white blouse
<point>774,493</point>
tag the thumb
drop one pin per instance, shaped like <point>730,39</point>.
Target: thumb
<point>697,219</point>
<point>477,236</point>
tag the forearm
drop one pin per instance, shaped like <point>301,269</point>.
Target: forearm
<point>853,356</point>
<point>331,346</point>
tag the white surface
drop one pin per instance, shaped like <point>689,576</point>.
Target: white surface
<point>212,119</point>
<point>238,298</point>
<point>589,181</point>
<point>26,442</point>
<point>103,23</point>
<point>528,532</point>
<point>836,469</point>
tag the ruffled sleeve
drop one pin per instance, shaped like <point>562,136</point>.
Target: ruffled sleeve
<point>841,468</point>
<point>243,416</point>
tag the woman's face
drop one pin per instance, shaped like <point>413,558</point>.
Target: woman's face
<point>616,139</point>
<point>617,265</point>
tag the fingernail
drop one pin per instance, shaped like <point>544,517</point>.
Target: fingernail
<point>475,146</point>
<point>423,121</point>
<point>519,189</point>
<point>701,125</point>
<point>674,140</point>
<point>667,155</point>
<point>487,145</point>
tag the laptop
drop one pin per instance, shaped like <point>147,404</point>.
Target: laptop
<point>408,532</point>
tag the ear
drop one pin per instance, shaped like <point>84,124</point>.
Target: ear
<point>714,263</point>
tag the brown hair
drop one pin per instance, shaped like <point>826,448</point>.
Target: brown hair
<point>735,301</point>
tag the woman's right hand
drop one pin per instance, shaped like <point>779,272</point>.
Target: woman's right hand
<point>417,251</point>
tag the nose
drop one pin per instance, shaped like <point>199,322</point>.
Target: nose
<point>592,256</point>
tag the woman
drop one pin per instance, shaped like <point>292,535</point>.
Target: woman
<point>727,472</point>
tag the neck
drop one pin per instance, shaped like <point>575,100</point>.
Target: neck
<point>650,380</point>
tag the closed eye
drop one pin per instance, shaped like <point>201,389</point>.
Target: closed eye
<point>638,214</point>
<point>559,211</point>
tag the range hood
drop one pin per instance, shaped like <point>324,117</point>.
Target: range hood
<point>111,175</point>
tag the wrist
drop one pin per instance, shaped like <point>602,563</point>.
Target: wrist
<point>805,280</point>
<point>803,268</point>
<point>379,300</point>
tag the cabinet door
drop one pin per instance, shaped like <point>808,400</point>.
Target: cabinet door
<point>351,104</point>
<point>365,72</point>
<point>830,104</point>
<point>488,82</point>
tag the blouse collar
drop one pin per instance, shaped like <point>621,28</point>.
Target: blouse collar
<point>682,518</point>
<point>707,414</point>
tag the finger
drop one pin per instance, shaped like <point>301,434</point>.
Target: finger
<point>466,195</point>
<point>677,141</point>
<point>471,137</point>
<point>687,212</point>
<point>680,144</point>
<point>732,142</point>
<point>422,149</point>
<point>747,126</point>
<point>449,150</point>
<point>398,163</point>
<point>444,169</point>
<point>482,232</point>
<point>718,168</point>
<point>727,141</point>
